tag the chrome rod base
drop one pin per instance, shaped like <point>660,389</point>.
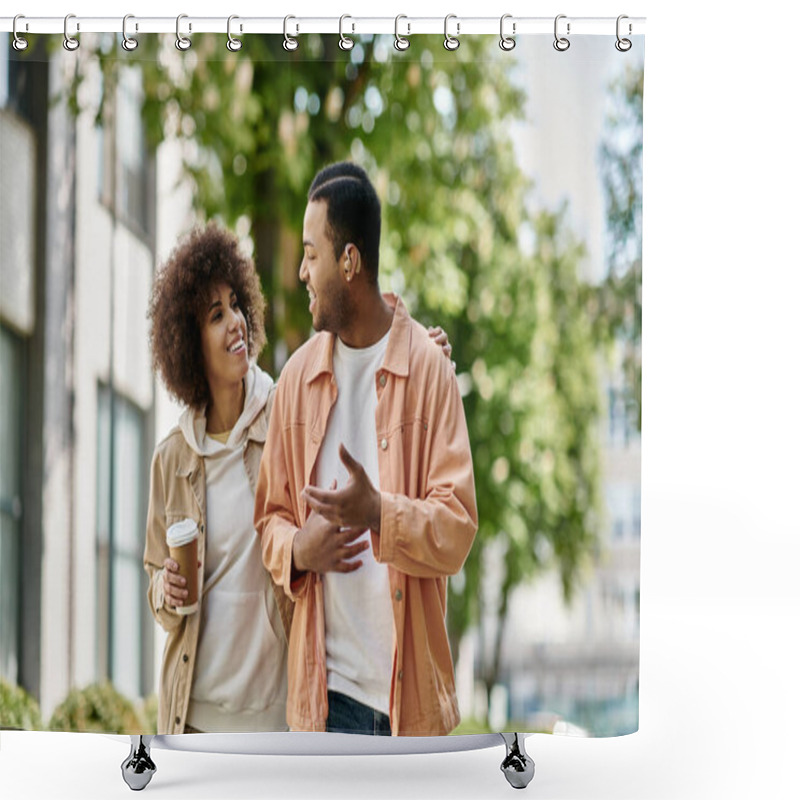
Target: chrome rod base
<point>517,766</point>
<point>138,768</point>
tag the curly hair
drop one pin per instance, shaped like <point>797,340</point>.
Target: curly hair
<point>179,301</point>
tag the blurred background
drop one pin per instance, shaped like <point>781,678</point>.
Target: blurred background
<point>511,190</point>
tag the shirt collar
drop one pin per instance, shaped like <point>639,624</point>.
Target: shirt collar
<point>397,348</point>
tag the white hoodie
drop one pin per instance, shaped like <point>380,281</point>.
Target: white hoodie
<point>240,672</point>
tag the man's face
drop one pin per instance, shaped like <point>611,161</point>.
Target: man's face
<point>330,302</point>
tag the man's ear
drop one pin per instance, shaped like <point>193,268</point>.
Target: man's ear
<point>352,261</point>
<point>355,257</point>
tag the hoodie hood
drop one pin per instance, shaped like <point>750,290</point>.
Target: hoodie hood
<point>192,423</point>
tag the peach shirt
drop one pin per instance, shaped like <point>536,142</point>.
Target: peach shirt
<point>428,518</point>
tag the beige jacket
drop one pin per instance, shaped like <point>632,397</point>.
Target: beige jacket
<point>177,491</point>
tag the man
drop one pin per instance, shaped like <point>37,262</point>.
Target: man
<point>366,497</point>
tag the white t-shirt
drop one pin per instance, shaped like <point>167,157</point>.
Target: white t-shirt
<point>239,684</point>
<point>240,675</point>
<point>359,626</point>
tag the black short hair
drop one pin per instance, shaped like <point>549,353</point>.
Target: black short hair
<point>353,211</point>
<point>179,300</point>
<point>341,169</point>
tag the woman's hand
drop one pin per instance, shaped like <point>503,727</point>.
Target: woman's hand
<point>440,337</point>
<point>175,591</point>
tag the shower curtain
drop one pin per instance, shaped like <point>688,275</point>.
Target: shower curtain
<point>510,185</point>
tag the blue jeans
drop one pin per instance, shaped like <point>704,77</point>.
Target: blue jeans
<point>346,715</point>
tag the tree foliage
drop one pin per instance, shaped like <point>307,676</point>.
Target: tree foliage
<point>18,710</point>
<point>97,708</point>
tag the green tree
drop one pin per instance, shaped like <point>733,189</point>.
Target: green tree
<point>432,130</point>
<point>533,411</point>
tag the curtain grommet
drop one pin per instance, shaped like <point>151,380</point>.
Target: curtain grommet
<point>233,44</point>
<point>451,43</point>
<point>289,43</point>
<point>401,43</point>
<point>345,42</point>
<point>507,43</point>
<point>182,42</point>
<point>128,42</point>
<point>19,43</point>
<point>623,45</point>
<point>561,43</point>
<point>71,44</point>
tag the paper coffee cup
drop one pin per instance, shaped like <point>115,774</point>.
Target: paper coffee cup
<point>182,543</point>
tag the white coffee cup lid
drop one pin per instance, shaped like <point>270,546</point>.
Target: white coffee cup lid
<point>181,533</point>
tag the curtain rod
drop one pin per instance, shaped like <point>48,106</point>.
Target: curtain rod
<point>299,25</point>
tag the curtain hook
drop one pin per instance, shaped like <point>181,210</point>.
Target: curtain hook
<point>623,45</point>
<point>233,44</point>
<point>400,42</point>
<point>182,42</point>
<point>288,42</point>
<point>19,42</point>
<point>128,42</point>
<point>561,43</point>
<point>345,42</point>
<point>506,42</point>
<point>451,42</point>
<point>70,42</point>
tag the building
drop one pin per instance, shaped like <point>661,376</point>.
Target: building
<point>83,209</point>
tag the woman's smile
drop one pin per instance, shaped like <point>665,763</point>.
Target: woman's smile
<point>224,339</point>
<point>239,347</point>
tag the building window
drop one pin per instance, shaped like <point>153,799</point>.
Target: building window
<point>132,148</point>
<point>124,156</point>
<point>3,71</point>
<point>623,507</point>
<point>622,425</point>
<point>617,508</point>
<point>123,622</point>
<point>11,427</point>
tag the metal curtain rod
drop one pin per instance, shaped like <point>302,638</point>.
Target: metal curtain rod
<point>299,25</point>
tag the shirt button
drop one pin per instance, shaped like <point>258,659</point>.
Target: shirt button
<point>185,658</point>
<point>398,595</point>
<point>177,720</point>
<point>382,379</point>
<point>400,675</point>
<point>384,444</point>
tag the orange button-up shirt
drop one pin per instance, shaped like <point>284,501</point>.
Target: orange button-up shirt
<point>428,518</point>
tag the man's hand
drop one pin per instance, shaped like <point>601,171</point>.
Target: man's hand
<point>323,546</point>
<point>357,506</point>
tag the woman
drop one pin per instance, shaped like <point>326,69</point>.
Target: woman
<point>224,666</point>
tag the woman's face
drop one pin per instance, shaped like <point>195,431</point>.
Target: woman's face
<point>224,339</point>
